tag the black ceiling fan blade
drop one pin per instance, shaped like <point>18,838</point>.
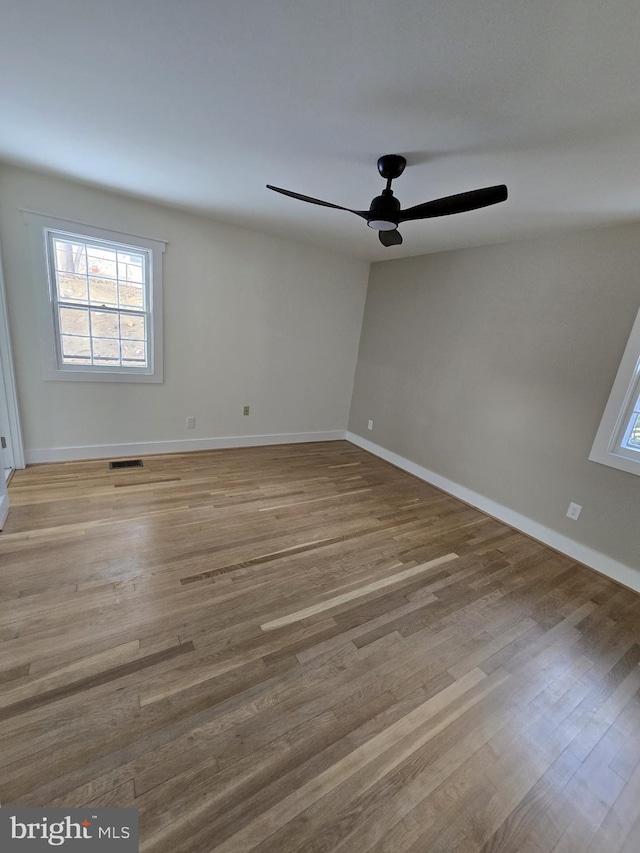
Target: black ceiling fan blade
<point>390,238</point>
<point>459,203</point>
<point>363,213</point>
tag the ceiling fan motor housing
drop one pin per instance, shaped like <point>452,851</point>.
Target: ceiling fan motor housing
<point>384,212</point>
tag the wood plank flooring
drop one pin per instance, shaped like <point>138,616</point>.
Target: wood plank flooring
<point>301,648</point>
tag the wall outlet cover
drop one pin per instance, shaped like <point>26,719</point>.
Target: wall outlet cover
<point>191,423</point>
<point>370,425</point>
<point>574,511</point>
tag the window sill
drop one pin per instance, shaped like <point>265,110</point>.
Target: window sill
<point>96,376</point>
<point>615,460</point>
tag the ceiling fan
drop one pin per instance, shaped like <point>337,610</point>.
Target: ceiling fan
<point>384,214</point>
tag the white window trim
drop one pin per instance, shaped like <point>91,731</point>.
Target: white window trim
<point>607,448</point>
<point>38,225</point>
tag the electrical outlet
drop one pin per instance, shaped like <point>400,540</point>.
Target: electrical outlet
<point>245,411</point>
<point>370,425</point>
<point>191,423</point>
<point>574,511</point>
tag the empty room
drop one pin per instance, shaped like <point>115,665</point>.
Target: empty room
<point>320,420</point>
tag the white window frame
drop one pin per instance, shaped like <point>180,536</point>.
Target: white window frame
<point>40,226</point>
<point>609,445</point>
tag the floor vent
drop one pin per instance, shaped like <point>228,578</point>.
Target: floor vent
<point>126,463</point>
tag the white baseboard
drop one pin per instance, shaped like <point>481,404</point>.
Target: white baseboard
<point>152,448</point>
<point>4,507</point>
<point>620,572</point>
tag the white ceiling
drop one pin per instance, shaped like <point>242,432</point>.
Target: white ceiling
<point>201,103</point>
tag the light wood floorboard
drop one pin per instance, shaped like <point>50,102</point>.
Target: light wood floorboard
<point>302,648</point>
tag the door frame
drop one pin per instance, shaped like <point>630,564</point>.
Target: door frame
<point>7,379</point>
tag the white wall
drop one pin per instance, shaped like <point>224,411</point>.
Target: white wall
<point>491,368</point>
<point>248,319</point>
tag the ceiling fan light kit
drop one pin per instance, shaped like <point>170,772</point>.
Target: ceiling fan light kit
<point>384,214</point>
<point>381,225</point>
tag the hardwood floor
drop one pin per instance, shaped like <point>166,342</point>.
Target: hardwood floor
<point>301,648</point>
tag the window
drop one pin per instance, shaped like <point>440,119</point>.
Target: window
<point>617,442</point>
<point>100,298</point>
